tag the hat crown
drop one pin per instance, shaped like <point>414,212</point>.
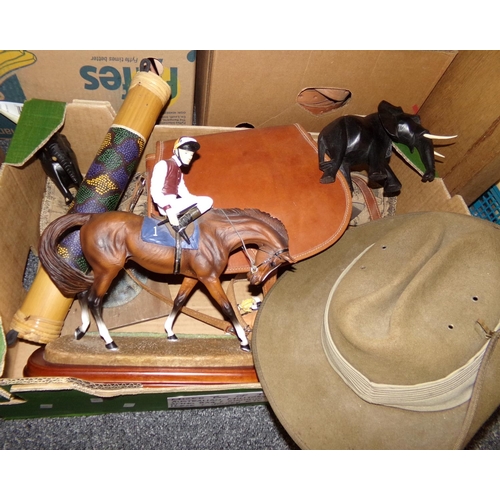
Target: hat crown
<point>420,396</point>
<point>407,311</point>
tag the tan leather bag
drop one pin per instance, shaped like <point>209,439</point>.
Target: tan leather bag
<point>369,203</point>
<point>273,169</point>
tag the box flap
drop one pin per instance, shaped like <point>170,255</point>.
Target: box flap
<point>38,122</point>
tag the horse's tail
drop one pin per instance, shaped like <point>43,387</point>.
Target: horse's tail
<point>67,278</point>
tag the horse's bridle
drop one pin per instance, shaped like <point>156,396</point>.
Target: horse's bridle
<point>254,268</point>
<point>277,253</point>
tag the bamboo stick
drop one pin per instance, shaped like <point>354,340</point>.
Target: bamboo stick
<point>41,316</point>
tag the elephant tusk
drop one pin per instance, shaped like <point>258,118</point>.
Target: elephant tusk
<point>438,154</point>
<point>430,136</point>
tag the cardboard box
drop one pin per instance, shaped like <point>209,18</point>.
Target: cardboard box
<point>21,193</point>
<point>99,75</point>
<point>85,126</point>
<point>312,88</point>
<point>465,102</point>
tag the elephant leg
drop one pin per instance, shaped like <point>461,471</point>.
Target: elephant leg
<point>329,170</point>
<point>327,167</point>
<point>345,169</point>
<point>377,174</point>
<point>323,152</point>
<point>392,186</point>
<point>378,163</point>
<point>185,289</point>
<point>334,145</point>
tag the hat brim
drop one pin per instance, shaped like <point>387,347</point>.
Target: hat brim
<point>312,402</point>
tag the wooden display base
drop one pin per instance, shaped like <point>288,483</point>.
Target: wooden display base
<point>149,360</point>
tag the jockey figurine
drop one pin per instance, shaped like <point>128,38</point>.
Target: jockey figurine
<point>169,191</point>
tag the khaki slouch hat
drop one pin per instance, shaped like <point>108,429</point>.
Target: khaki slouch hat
<point>387,339</point>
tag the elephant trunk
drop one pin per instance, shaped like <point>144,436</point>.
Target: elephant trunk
<point>425,148</point>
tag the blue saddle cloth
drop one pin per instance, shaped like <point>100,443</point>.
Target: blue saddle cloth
<point>152,233</point>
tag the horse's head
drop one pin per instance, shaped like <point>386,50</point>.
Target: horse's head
<point>271,260</point>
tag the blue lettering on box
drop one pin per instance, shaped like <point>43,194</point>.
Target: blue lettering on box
<point>112,78</point>
<point>93,83</point>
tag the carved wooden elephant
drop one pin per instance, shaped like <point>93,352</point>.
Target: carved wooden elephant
<point>351,141</point>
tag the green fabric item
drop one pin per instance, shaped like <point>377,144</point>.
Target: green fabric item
<point>413,159</point>
<point>38,122</point>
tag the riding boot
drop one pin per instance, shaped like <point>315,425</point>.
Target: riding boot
<point>190,215</point>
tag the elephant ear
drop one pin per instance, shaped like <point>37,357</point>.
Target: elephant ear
<point>400,126</point>
<point>389,116</point>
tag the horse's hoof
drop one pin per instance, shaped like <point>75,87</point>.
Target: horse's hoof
<point>112,346</point>
<point>173,338</point>
<point>79,334</point>
<point>11,337</point>
<point>245,348</point>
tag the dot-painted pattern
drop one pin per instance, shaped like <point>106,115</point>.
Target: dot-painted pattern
<point>104,184</point>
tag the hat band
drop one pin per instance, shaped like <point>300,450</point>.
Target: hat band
<point>443,394</point>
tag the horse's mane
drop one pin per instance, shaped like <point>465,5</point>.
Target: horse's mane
<point>236,213</point>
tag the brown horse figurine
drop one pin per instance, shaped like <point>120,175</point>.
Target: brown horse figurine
<point>110,239</point>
